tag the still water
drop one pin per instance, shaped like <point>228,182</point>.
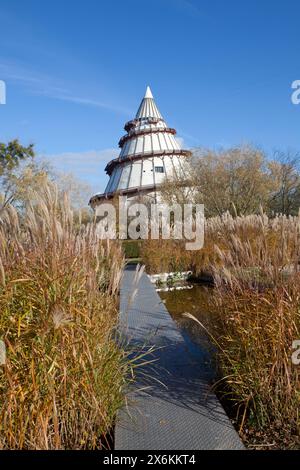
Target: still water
<point>196,301</point>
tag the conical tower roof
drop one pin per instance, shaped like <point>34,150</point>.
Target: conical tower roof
<point>148,132</point>
<point>148,107</point>
<point>149,153</point>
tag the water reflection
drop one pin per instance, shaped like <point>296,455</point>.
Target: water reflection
<point>196,301</point>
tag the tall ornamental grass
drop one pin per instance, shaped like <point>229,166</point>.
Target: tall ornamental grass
<point>255,322</point>
<point>64,376</point>
<point>253,317</point>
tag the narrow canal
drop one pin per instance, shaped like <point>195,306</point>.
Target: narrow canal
<point>196,300</point>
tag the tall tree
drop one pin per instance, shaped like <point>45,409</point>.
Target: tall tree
<point>79,191</point>
<point>285,198</point>
<point>12,154</point>
<point>235,180</point>
<point>79,194</point>
<point>18,187</point>
<point>18,173</point>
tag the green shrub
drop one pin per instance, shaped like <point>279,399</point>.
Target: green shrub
<point>132,248</point>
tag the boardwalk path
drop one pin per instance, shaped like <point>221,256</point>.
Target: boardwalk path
<point>178,410</point>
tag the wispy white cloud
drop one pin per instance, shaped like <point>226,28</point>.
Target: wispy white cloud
<point>191,140</point>
<point>189,7</point>
<point>82,158</point>
<point>43,85</point>
<point>180,141</point>
<point>87,166</point>
<point>64,95</point>
<point>18,72</point>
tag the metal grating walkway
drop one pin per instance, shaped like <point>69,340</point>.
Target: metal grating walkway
<point>172,407</point>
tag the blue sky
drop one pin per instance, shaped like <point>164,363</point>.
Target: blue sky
<point>220,71</point>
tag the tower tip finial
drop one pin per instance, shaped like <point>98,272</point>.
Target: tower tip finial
<point>148,93</point>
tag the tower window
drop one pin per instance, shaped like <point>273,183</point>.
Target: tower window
<point>159,169</point>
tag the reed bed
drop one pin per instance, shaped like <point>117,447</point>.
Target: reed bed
<point>253,318</point>
<point>64,376</point>
<point>257,318</point>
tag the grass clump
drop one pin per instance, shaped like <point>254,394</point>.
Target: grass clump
<point>64,375</point>
<point>254,318</point>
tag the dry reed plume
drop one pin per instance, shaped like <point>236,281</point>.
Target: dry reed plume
<point>256,272</point>
<point>254,317</point>
<point>64,375</point>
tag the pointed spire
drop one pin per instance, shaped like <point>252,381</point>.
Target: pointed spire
<point>148,93</point>
<point>148,107</point>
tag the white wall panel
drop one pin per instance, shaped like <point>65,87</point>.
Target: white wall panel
<point>123,183</point>
<point>159,177</point>
<point>169,167</point>
<point>139,146</point>
<point>147,175</point>
<point>162,141</point>
<point>131,146</point>
<point>156,146</point>
<point>135,177</point>
<point>117,174</point>
<point>148,143</point>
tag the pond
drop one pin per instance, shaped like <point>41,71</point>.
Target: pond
<point>195,300</point>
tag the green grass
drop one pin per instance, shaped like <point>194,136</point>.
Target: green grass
<point>132,249</point>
